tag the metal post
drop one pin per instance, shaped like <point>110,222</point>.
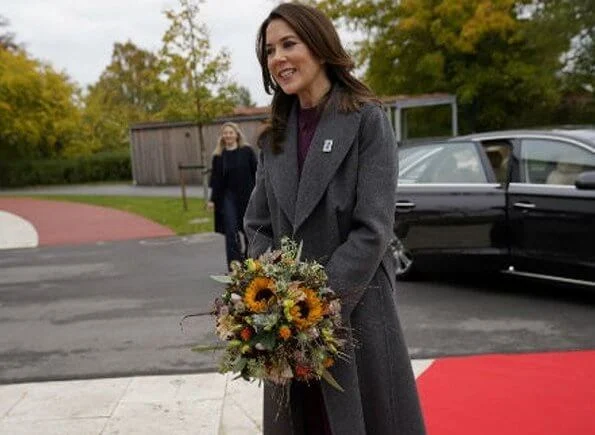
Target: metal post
<point>183,186</point>
<point>398,119</point>
<point>205,185</point>
<point>455,126</point>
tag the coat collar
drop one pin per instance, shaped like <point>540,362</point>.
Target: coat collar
<point>298,196</point>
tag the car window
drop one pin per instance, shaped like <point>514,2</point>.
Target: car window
<point>498,153</point>
<point>441,163</point>
<point>545,161</point>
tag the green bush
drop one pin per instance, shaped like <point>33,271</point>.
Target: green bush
<point>113,166</point>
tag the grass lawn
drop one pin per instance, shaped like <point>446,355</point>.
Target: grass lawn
<point>165,211</point>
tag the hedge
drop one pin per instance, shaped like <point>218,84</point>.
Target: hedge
<point>113,166</point>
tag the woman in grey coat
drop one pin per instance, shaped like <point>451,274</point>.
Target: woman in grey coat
<point>327,176</point>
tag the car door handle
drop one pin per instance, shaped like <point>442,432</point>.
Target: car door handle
<point>405,204</point>
<point>525,205</point>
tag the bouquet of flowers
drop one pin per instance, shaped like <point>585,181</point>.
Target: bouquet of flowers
<point>279,319</point>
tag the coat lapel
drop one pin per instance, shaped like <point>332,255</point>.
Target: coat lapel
<point>284,169</point>
<point>332,140</point>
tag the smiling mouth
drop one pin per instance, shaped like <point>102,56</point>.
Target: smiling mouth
<point>286,73</point>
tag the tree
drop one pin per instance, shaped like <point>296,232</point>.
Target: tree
<point>39,114</point>
<point>481,50</point>
<point>241,97</point>
<point>197,82</point>
<point>576,20</point>
<point>7,38</point>
<point>129,90</point>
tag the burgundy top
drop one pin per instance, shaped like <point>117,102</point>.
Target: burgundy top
<point>307,123</point>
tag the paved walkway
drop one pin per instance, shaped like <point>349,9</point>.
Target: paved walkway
<point>203,404</point>
<point>118,189</point>
<point>26,222</point>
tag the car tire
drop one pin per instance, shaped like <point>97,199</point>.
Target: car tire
<point>405,268</point>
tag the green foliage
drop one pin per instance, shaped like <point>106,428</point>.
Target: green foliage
<point>83,169</point>
<point>6,38</point>
<point>199,89</point>
<point>491,53</point>
<point>39,114</point>
<point>196,75</point>
<point>240,96</point>
<point>128,91</point>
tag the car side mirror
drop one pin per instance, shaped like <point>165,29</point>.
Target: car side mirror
<point>585,180</point>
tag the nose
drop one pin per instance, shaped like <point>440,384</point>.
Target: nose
<point>277,57</point>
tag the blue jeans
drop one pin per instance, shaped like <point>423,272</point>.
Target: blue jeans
<point>233,227</point>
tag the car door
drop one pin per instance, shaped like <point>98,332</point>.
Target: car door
<point>552,221</point>
<point>449,205</point>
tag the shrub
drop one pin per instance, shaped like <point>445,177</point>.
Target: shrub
<point>112,166</point>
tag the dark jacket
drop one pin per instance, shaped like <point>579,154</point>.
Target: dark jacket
<point>246,172</point>
<point>342,208</point>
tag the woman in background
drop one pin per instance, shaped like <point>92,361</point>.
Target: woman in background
<point>233,172</point>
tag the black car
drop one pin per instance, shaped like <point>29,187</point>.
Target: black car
<point>516,201</point>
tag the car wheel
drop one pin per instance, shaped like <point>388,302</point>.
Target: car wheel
<point>404,259</point>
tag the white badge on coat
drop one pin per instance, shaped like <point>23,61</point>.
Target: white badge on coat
<point>328,146</point>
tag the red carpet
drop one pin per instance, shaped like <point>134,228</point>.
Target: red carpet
<point>529,394</point>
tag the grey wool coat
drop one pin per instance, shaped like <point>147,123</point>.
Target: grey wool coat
<point>342,208</point>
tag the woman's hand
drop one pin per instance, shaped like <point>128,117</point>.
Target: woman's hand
<point>210,206</point>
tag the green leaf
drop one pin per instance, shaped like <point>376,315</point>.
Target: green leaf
<point>224,279</point>
<point>326,375</point>
<point>267,340</point>
<point>240,364</point>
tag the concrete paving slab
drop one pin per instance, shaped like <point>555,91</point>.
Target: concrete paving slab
<point>205,404</point>
<point>235,421</point>
<point>11,395</point>
<point>85,426</point>
<point>242,407</point>
<point>175,388</point>
<point>196,417</point>
<point>67,400</point>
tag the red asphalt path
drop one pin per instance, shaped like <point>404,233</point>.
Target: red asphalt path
<point>69,223</point>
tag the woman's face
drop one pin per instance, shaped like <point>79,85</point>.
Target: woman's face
<point>229,135</point>
<point>293,66</point>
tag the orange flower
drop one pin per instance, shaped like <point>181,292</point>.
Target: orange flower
<point>246,333</point>
<point>285,332</point>
<point>302,371</point>
<point>328,362</point>
<point>259,293</point>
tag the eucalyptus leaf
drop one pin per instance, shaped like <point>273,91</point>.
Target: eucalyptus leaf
<point>224,279</point>
<point>326,375</point>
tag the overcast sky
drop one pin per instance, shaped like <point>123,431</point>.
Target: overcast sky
<point>77,36</point>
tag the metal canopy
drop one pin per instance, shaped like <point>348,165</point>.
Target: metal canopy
<point>396,110</point>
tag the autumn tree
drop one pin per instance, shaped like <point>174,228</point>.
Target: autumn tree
<point>196,75</point>
<point>129,90</point>
<point>484,51</point>
<point>7,41</point>
<point>241,97</point>
<point>39,111</point>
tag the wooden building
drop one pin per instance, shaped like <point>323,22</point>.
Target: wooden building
<point>157,148</point>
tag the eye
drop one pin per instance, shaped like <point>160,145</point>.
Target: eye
<point>288,44</point>
<point>269,51</point>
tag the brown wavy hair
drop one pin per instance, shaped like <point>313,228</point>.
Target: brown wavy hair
<point>317,31</point>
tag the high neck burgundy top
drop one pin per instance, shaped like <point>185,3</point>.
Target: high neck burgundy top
<point>307,123</point>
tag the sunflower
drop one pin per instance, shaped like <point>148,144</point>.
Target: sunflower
<point>308,311</point>
<point>259,293</point>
